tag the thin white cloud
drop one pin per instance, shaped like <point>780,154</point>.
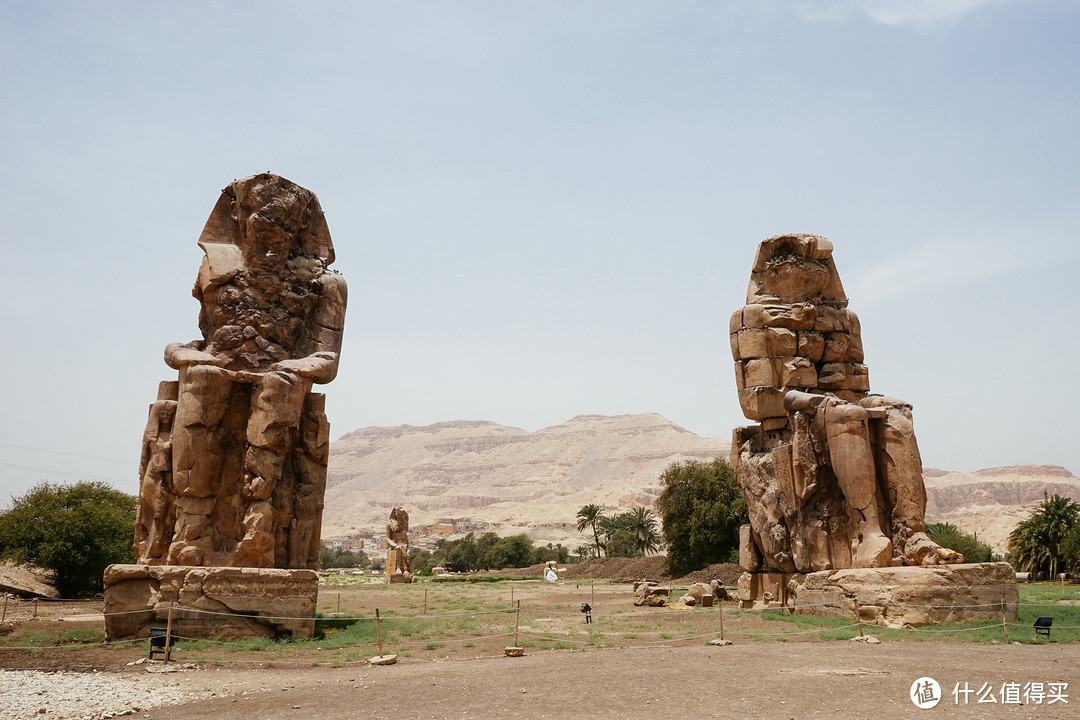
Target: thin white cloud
<point>934,263</point>
<point>924,15</point>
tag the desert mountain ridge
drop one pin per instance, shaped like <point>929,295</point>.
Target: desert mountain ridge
<point>509,480</point>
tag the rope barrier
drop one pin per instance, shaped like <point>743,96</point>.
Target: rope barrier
<point>611,633</point>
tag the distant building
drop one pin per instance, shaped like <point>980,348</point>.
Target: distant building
<point>451,526</point>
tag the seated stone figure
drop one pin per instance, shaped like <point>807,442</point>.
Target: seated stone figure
<point>832,474</point>
<point>235,452</point>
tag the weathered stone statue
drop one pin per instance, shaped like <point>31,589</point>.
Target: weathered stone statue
<point>397,557</point>
<point>832,474</point>
<point>235,451</point>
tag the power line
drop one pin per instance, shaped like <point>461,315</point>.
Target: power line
<point>81,476</point>
<point>60,452</point>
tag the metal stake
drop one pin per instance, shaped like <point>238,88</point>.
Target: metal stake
<point>168,632</point>
<point>378,630</point>
<point>720,604</point>
<point>1004,625</point>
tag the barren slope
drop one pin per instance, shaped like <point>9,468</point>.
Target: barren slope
<point>990,502</point>
<point>513,480</point>
<point>505,477</point>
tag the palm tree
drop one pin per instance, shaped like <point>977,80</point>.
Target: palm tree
<point>642,523</point>
<point>589,516</point>
<point>1036,543</point>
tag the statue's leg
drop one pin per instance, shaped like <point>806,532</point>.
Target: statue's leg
<point>852,460</point>
<point>311,453</point>
<point>901,468</point>
<point>196,437</point>
<point>204,394</point>
<point>272,432</point>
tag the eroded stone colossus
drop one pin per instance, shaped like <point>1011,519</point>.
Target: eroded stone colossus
<point>235,451</point>
<point>832,474</point>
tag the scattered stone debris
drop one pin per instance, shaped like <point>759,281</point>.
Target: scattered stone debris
<point>648,593</point>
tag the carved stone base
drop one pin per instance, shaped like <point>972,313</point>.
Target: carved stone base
<point>209,601</point>
<point>892,596</point>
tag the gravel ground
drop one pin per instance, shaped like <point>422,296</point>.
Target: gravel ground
<point>28,694</point>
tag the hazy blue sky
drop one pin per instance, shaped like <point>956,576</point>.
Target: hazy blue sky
<point>546,209</point>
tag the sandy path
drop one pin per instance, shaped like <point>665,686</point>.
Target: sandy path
<point>769,680</point>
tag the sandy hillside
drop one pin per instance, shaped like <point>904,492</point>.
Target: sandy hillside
<point>510,480</point>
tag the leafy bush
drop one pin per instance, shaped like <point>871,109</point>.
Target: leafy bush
<point>949,536</point>
<point>76,531</point>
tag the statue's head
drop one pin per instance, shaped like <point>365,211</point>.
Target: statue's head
<point>270,212</point>
<point>793,269</point>
<point>266,215</point>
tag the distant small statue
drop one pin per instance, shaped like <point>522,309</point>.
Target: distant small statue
<point>235,452</point>
<point>397,538</point>
<point>832,474</point>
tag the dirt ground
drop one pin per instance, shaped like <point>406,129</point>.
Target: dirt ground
<point>769,680</point>
<point>660,665</point>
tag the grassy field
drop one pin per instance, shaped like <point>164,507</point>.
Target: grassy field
<point>433,620</point>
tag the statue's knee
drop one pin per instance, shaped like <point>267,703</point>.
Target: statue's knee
<point>847,414</point>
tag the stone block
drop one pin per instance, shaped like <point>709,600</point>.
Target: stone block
<point>752,344</point>
<point>736,322</point>
<point>210,601</point>
<point>836,347</point>
<point>759,403</point>
<point>797,372</point>
<point>909,596</point>
<point>811,345</point>
<point>774,423</point>
<point>761,590</point>
<point>836,319</point>
<point>760,372</point>
<point>792,317</point>
<point>781,342</point>
<point>749,557</point>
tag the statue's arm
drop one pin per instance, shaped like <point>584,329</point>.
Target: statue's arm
<point>178,355</point>
<point>324,331</point>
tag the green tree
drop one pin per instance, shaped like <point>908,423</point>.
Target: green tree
<point>339,558</point>
<point>1037,545</point>
<point>1070,550</point>
<point>620,543</point>
<point>701,509</point>
<point>589,516</point>
<point>556,552</point>
<point>76,531</point>
<point>512,551</point>
<point>949,536</point>
<point>483,550</point>
<point>420,561</point>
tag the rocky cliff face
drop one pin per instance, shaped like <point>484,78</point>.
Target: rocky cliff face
<point>515,481</point>
<point>990,502</point>
<point>507,478</point>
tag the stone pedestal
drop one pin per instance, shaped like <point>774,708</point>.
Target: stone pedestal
<point>210,601</point>
<point>893,596</point>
